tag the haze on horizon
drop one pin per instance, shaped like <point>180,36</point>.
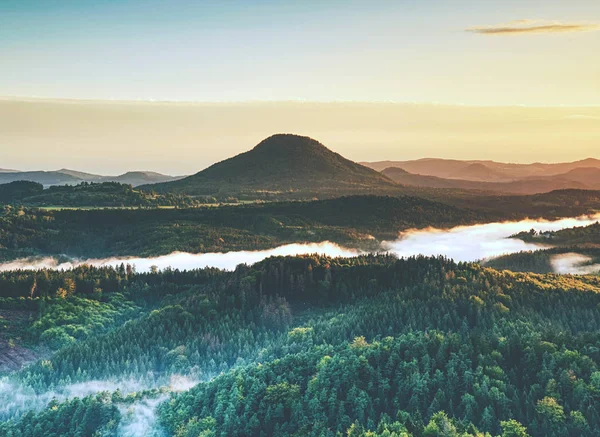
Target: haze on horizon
<point>184,138</point>
<point>508,80</point>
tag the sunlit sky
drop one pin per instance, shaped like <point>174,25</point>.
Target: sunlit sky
<point>376,50</point>
<point>441,54</point>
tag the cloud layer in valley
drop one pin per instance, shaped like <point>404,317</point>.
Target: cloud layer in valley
<point>463,243</point>
<point>534,27</point>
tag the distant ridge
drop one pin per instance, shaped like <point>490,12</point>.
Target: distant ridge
<point>73,177</point>
<point>476,170</point>
<point>587,178</point>
<point>280,164</point>
<point>137,178</point>
<point>479,171</point>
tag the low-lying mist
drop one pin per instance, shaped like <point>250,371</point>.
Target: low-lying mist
<point>464,243</point>
<point>138,418</point>
<point>574,263</point>
<point>478,242</point>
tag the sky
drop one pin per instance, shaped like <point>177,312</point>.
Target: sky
<point>68,67</point>
<point>447,51</point>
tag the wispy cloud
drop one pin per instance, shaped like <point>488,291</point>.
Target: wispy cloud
<point>530,26</point>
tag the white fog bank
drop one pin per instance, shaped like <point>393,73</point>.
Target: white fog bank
<point>574,263</point>
<point>463,243</point>
<point>478,242</point>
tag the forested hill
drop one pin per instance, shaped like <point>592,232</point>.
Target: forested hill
<point>357,221</point>
<point>310,346</point>
<point>97,195</point>
<point>580,243</point>
<point>583,236</point>
<point>283,166</point>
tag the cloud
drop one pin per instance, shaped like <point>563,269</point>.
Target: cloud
<point>530,26</point>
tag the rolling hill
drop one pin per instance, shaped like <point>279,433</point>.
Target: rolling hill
<point>73,177</point>
<point>136,178</point>
<point>481,172</point>
<point>86,194</point>
<point>457,169</point>
<point>46,178</point>
<point>575,179</point>
<point>283,166</point>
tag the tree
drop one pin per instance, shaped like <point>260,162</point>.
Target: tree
<point>512,428</point>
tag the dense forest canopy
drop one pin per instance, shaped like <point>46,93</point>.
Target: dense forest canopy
<point>359,221</point>
<point>354,221</point>
<point>582,241</point>
<point>372,346</point>
<point>86,194</point>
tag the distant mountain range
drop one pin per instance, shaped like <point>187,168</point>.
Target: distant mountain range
<point>72,177</point>
<point>283,166</point>
<point>482,170</point>
<point>289,167</point>
<point>493,176</point>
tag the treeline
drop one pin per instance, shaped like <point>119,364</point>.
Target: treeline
<point>355,221</point>
<point>586,236</point>
<point>101,233</point>
<point>541,261</point>
<point>88,194</point>
<point>316,346</point>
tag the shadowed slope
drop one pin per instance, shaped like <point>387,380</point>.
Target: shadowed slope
<point>283,163</point>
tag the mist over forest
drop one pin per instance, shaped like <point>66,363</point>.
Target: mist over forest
<point>299,219</point>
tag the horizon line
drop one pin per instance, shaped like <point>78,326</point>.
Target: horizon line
<point>66,100</point>
<point>364,163</point>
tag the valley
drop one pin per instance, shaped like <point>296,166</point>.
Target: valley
<point>289,291</point>
<point>299,218</point>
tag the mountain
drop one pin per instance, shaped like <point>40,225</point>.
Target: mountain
<point>589,176</point>
<point>576,179</point>
<point>72,177</point>
<point>443,168</point>
<point>89,194</point>
<point>481,172</point>
<point>496,171</point>
<point>89,177</point>
<point>283,165</point>
<point>45,178</point>
<point>136,178</point>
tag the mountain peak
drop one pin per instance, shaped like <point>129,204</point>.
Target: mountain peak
<point>289,143</point>
<point>283,163</point>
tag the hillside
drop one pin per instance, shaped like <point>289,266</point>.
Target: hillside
<point>45,178</point>
<point>580,180</point>
<point>452,168</point>
<point>283,165</point>
<point>553,204</point>
<point>304,346</point>
<point>355,221</point>
<point>97,195</point>
<point>588,176</point>
<point>137,178</point>
<point>481,172</point>
<point>71,177</point>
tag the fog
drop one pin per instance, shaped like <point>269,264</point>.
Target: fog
<point>574,263</point>
<point>186,261</point>
<point>463,243</point>
<point>16,398</point>
<point>478,242</point>
<point>138,419</point>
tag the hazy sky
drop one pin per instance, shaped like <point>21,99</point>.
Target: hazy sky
<point>491,52</point>
<point>233,56</point>
<point>183,138</point>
